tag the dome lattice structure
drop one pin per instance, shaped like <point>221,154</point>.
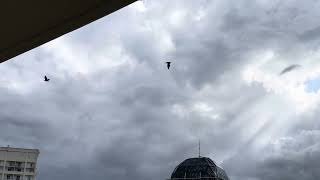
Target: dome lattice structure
<point>201,168</point>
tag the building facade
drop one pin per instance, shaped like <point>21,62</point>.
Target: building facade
<point>18,163</point>
<point>200,168</point>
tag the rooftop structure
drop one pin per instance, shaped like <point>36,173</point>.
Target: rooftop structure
<point>18,163</point>
<point>200,168</point>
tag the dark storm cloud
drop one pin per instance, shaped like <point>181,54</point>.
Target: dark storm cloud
<point>73,112</point>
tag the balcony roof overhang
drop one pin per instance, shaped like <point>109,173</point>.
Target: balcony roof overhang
<point>25,25</point>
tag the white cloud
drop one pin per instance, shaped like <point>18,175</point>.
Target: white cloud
<point>139,6</point>
<point>290,86</point>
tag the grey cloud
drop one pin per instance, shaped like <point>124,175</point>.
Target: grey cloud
<point>120,123</point>
<point>310,35</point>
<point>293,156</point>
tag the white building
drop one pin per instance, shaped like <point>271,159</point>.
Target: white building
<point>18,163</point>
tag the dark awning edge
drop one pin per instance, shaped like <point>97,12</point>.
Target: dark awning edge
<point>77,21</point>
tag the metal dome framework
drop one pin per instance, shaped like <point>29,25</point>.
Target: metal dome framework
<point>198,169</point>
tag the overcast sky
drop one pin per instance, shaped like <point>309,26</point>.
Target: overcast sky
<point>113,111</point>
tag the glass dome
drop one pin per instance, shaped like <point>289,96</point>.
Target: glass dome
<point>198,168</point>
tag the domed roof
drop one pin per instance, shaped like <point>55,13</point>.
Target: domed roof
<point>198,167</point>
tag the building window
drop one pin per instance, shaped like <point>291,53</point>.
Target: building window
<point>9,176</point>
<point>29,165</point>
<point>18,164</point>
<point>17,177</point>
<point>28,178</point>
<point>11,163</point>
<point>18,169</point>
<point>29,169</point>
